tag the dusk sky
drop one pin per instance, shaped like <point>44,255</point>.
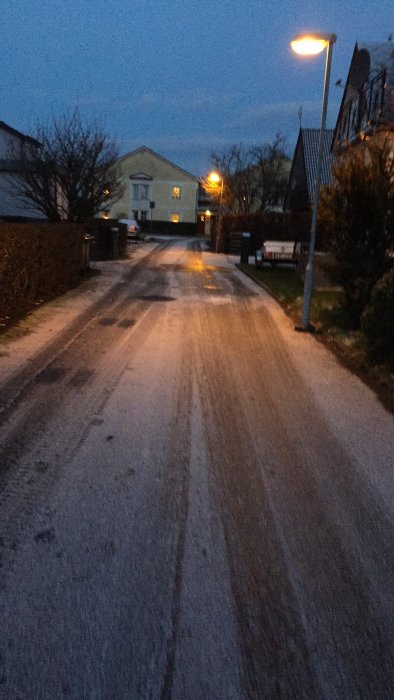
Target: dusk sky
<point>183,77</point>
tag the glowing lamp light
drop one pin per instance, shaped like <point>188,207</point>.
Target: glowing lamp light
<point>214,177</point>
<point>307,46</point>
<point>311,44</point>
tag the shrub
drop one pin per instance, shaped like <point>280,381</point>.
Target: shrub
<point>377,321</point>
<point>37,262</point>
<point>358,212</point>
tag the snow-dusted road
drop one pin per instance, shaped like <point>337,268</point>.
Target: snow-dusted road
<point>196,502</point>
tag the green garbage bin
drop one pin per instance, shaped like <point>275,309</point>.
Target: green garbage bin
<point>245,247</point>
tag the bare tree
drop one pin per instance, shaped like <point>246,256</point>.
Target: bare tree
<point>253,178</point>
<point>71,174</point>
<point>234,166</point>
<point>269,161</point>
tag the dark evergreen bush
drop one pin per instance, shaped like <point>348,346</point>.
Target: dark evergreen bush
<point>377,321</point>
<point>358,211</point>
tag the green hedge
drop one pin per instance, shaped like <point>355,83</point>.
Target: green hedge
<point>377,321</point>
<point>168,228</point>
<point>265,226</point>
<point>38,261</point>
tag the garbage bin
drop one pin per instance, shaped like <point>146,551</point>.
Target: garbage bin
<point>86,243</point>
<point>114,242</point>
<point>258,258</point>
<point>245,247</point>
<point>107,241</point>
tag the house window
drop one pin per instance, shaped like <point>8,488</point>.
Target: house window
<point>144,215</point>
<point>176,192</point>
<point>140,192</point>
<point>175,218</point>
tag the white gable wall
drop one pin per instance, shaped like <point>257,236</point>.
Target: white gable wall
<point>150,178</point>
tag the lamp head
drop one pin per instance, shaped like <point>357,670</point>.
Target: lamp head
<point>311,44</point>
<point>214,177</point>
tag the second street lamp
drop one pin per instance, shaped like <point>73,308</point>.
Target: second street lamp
<point>215,178</point>
<point>309,45</point>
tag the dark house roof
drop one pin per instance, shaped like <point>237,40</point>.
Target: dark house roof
<point>15,132</point>
<point>368,98</point>
<point>9,159</point>
<point>302,179</point>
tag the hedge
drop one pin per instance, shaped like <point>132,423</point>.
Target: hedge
<point>38,261</point>
<point>265,226</point>
<point>169,228</point>
<point>377,321</point>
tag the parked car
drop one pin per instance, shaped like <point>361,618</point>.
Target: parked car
<point>133,229</point>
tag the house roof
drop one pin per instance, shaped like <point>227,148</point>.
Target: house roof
<point>310,143</point>
<point>15,132</point>
<point>381,55</point>
<point>303,171</point>
<point>368,61</point>
<point>157,155</point>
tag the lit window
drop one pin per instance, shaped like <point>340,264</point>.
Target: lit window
<point>175,218</point>
<point>176,192</point>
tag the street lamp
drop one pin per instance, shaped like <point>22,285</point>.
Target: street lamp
<point>310,45</point>
<point>215,178</point>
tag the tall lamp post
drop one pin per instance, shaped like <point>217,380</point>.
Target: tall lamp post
<point>309,45</point>
<point>215,178</point>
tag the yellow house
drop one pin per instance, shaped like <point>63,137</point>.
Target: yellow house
<point>155,190</point>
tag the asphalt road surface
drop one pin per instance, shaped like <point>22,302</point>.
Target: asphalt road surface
<point>195,502</point>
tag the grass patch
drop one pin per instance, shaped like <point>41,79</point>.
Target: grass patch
<point>284,285</point>
<point>327,316</point>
